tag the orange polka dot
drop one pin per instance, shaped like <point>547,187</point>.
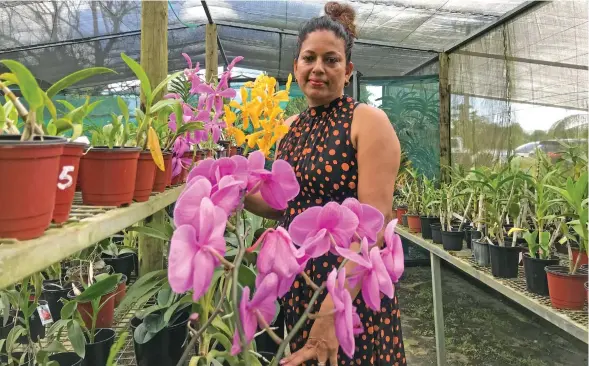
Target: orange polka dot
<point>336,133</point>
<point>318,171</point>
<point>328,168</point>
<point>336,186</point>
<point>331,152</point>
<point>345,167</point>
<point>352,185</point>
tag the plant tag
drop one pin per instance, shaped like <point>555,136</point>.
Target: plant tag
<point>521,257</point>
<point>65,177</point>
<point>44,314</point>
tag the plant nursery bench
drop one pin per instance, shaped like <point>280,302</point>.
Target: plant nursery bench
<point>572,322</point>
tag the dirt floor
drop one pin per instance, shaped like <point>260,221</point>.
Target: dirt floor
<point>482,328</point>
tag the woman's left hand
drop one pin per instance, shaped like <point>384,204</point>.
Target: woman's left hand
<point>322,345</point>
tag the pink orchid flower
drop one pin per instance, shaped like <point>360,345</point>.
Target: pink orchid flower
<point>370,220</point>
<point>187,116</point>
<point>347,321</point>
<point>392,254</point>
<point>276,187</point>
<point>214,170</point>
<point>319,229</point>
<point>215,95</point>
<point>226,195</point>
<point>192,74</point>
<point>371,271</point>
<point>279,255</point>
<point>194,250</point>
<point>261,309</point>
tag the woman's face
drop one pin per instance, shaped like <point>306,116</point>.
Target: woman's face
<point>321,69</point>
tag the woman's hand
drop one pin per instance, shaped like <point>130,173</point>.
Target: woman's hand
<point>322,344</point>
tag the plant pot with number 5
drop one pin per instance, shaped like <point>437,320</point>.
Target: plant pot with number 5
<point>68,177</point>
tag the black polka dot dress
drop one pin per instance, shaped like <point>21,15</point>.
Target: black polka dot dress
<point>319,147</point>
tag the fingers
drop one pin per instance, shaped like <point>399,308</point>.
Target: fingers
<point>333,358</point>
<point>297,358</point>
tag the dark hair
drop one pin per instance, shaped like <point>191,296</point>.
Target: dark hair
<point>338,18</point>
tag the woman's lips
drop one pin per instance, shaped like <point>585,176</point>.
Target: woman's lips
<point>316,83</point>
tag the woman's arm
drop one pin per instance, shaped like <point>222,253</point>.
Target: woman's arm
<point>255,204</point>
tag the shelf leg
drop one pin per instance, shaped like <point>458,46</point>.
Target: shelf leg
<point>438,310</point>
<point>151,250</point>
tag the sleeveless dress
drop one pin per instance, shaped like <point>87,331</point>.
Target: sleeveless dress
<point>319,148</point>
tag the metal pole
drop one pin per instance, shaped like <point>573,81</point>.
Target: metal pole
<point>438,310</point>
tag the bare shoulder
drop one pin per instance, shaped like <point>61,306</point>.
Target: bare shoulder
<point>371,122</point>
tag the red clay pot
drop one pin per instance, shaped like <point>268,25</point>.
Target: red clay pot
<point>576,253</point>
<point>161,178</point>
<point>566,291</point>
<point>145,177</point>
<point>28,177</point>
<point>109,175</point>
<point>105,317</point>
<point>400,213</point>
<point>414,222</point>
<point>121,290</point>
<point>79,178</point>
<point>394,213</point>
<point>68,178</point>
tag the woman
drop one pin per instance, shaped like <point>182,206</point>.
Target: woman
<point>338,149</point>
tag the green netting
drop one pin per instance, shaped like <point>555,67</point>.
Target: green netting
<point>412,105</point>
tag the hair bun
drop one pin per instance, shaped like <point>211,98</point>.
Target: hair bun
<point>343,14</point>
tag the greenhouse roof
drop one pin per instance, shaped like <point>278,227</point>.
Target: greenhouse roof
<point>396,37</point>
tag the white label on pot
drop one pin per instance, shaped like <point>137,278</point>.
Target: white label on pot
<point>65,176</point>
<point>44,314</point>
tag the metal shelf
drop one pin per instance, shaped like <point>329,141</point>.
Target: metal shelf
<point>572,322</point>
<point>87,225</point>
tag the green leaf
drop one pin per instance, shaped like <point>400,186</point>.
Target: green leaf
<point>114,350</point>
<point>51,129</point>
<point>185,301</point>
<point>152,232</point>
<point>76,77</point>
<point>99,288</point>
<point>190,126</point>
<point>165,297</point>
<point>2,117</point>
<point>165,82</point>
<point>27,83</point>
<point>163,104</point>
<point>69,106</point>
<point>50,105</point>
<point>141,75</point>
<point>247,277</point>
<point>77,130</point>
<point>124,109</point>
<point>145,286</point>
<point>76,337</point>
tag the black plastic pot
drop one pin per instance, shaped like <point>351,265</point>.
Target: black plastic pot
<point>452,240</point>
<point>53,292</point>
<point>436,233</point>
<point>426,230</point>
<point>504,261</point>
<point>536,280</point>
<point>37,328</point>
<point>165,349</point>
<point>480,251</point>
<point>467,236</point>
<point>97,352</point>
<point>4,330</point>
<point>404,220</point>
<point>124,263</point>
<point>66,359</point>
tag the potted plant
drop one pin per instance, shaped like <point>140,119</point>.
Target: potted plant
<point>86,317</point>
<point>121,258</point>
<point>428,206</point>
<point>451,236</point>
<point>565,285</point>
<point>414,202</point>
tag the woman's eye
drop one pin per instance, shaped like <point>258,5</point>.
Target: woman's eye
<point>307,58</point>
<point>332,60</point>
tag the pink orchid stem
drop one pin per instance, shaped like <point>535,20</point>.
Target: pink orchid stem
<point>235,284</point>
<point>222,259</point>
<point>258,242</point>
<point>217,311</point>
<point>266,326</point>
<point>302,320</point>
<point>309,281</point>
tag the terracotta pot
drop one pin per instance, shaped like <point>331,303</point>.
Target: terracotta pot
<point>109,175</point>
<point>105,316</point>
<point>414,223</point>
<point>400,212</point>
<point>576,253</point>
<point>68,178</point>
<point>566,290</point>
<point>121,290</point>
<point>79,180</point>
<point>161,178</point>
<point>145,177</point>
<point>28,177</point>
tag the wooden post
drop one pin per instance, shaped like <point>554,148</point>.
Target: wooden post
<point>154,60</point>
<point>154,42</point>
<point>445,145</point>
<point>211,53</point>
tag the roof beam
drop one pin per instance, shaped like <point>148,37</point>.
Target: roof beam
<point>515,12</point>
<point>524,60</point>
<point>210,19</point>
<point>295,34</point>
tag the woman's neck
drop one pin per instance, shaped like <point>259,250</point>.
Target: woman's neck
<point>316,102</point>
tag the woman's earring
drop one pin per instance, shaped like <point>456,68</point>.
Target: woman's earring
<point>347,83</point>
